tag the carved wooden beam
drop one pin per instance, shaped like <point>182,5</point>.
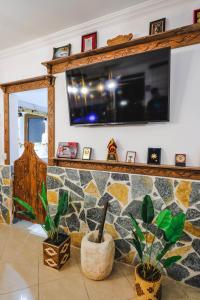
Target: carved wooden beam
<point>132,168</point>
<point>180,37</point>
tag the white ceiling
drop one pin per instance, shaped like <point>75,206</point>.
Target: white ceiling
<point>24,20</point>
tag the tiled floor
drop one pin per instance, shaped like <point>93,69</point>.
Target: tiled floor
<point>24,277</point>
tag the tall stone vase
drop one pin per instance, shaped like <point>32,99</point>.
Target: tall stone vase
<point>97,258</point>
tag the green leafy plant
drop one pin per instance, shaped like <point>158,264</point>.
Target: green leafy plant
<point>51,224</point>
<point>171,228</point>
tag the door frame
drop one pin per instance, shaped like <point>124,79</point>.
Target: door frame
<point>47,81</point>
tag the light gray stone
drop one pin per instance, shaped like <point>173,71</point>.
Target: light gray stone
<point>141,186</point>
<point>165,189</point>
<point>101,179</point>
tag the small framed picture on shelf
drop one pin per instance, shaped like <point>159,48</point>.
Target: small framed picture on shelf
<point>157,26</point>
<point>87,151</point>
<point>89,42</point>
<point>63,51</point>
<point>154,156</point>
<point>130,156</point>
<point>180,160</point>
<point>196,16</point>
<point>67,150</point>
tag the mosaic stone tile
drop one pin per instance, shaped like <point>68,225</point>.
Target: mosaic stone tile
<point>196,223</point>
<point>175,209</point>
<point>192,214</point>
<point>196,246</point>
<point>165,189</point>
<point>85,177</point>
<point>178,272</point>
<point>95,214</point>
<point>114,207</point>
<point>77,206</point>
<point>53,182</point>
<point>73,223</point>
<point>55,171</point>
<point>75,198</point>
<point>52,197</point>
<point>122,232</point>
<point>118,254</point>
<point>82,216</point>
<point>109,218</point>
<point>74,188</point>
<point>105,198</point>
<point>92,190</point>
<point>134,208</point>
<point>194,281</point>
<point>92,225</point>
<point>158,204</point>
<point>195,231</point>
<point>6,172</point>
<point>185,237</point>
<point>112,231</point>
<point>192,261</point>
<point>90,201</point>
<point>101,179</point>
<point>123,246</point>
<point>120,177</point>
<point>72,174</point>
<point>141,186</point>
<point>179,251</point>
<point>183,192</point>
<point>119,191</point>
<point>195,194</point>
<point>125,223</point>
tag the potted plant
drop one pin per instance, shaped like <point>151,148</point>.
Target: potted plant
<point>56,248</point>
<point>97,252</point>
<point>148,273</point>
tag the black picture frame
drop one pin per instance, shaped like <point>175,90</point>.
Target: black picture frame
<point>157,26</point>
<point>154,156</point>
<point>63,51</point>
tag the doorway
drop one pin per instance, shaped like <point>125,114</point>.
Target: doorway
<point>28,122</point>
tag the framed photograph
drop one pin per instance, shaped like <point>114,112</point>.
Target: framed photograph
<point>67,150</point>
<point>196,16</point>
<point>154,156</point>
<point>63,51</point>
<point>87,151</point>
<point>180,160</point>
<point>130,156</point>
<point>89,42</point>
<point>157,26</point>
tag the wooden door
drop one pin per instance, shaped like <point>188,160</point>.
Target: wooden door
<point>29,174</point>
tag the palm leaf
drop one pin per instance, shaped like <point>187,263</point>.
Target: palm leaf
<point>137,228</point>
<point>27,214</point>
<point>164,251</point>
<point>147,210</point>
<point>24,204</point>
<point>138,246</point>
<point>43,197</point>
<point>170,261</point>
<point>174,232</point>
<point>62,208</point>
<point>164,219</point>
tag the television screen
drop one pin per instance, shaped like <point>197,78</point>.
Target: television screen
<point>131,89</point>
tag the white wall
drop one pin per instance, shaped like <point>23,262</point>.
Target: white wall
<point>181,134</point>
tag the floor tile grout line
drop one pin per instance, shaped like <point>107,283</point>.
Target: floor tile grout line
<point>17,290</point>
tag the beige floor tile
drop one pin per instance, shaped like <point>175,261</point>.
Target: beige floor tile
<point>174,291</point>
<point>63,289</point>
<point>25,294</point>
<point>193,293</point>
<point>116,287</point>
<point>127,271</point>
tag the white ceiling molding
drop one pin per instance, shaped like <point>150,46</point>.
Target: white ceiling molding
<point>95,24</point>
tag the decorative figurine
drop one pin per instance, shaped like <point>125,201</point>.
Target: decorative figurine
<point>112,151</point>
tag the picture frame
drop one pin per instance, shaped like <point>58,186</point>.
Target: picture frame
<point>89,42</point>
<point>180,159</point>
<point>130,156</point>
<point>157,26</point>
<point>154,156</point>
<point>67,150</point>
<point>196,16</point>
<point>63,51</point>
<point>87,151</point>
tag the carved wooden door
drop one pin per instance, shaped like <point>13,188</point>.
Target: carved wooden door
<point>29,173</point>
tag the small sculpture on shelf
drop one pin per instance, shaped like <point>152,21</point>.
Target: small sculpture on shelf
<point>120,39</point>
<point>112,151</point>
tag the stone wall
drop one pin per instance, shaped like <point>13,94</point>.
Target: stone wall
<point>5,195</point>
<point>89,189</point>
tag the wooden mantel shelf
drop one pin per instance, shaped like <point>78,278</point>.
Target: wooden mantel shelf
<point>179,37</point>
<point>136,168</point>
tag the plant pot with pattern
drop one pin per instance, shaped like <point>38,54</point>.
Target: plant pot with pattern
<point>166,228</point>
<point>97,252</point>
<point>56,248</point>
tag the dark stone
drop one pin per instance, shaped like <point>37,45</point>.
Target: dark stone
<point>95,214</point>
<point>6,172</point>
<point>105,198</point>
<point>101,179</point>
<point>122,246</point>
<point>165,189</point>
<point>156,249</point>
<point>153,229</point>
<point>195,194</point>
<point>177,272</point>
<point>122,232</point>
<point>90,201</point>
<point>141,186</point>
<point>109,218</point>
<point>62,191</point>
<point>176,182</point>
<point>72,174</point>
<point>82,216</point>
<point>198,206</point>
<point>175,209</point>
<point>158,204</point>
<point>185,237</point>
<point>134,208</point>
<point>85,177</point>
<point>192,261</point>
<point>196,223</point>
<point>120,177</point>
<point>77,206</point>
<point>4,211</point>
<point>71,209</point>
<point>118,254</point>
<point>125,223</point>
<point>114,207</point>
<point>192,214</point>
<point>1,199</point>
<point>55,170</point>
<point>6,190</point>
<point>194,281</point>
<point>73,223</point>
<point>196,245</point>
<point>92,225</point>
<point>53,183</point>
<point>74,198</point>
<point>74,188</point>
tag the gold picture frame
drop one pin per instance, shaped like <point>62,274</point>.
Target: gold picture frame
<point>87,151</point>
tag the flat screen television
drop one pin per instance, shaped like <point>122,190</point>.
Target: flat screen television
<point>127,90</point>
